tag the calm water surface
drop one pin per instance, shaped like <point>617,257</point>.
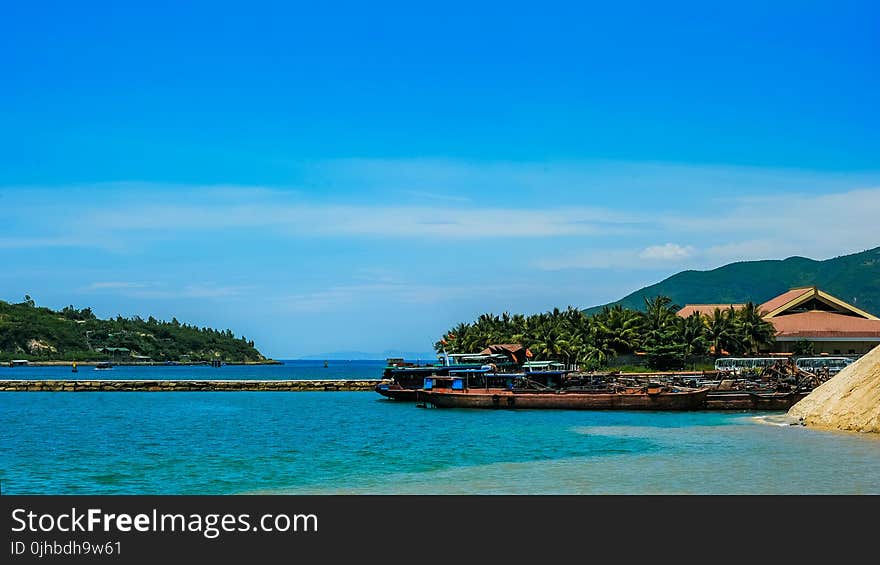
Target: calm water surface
<point>358,442</point>
<point>311,370</point>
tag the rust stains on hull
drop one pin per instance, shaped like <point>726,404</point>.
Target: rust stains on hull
<point>678,400</point>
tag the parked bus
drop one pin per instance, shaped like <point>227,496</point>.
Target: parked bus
<point>813,364</point>
<point>738,364</point>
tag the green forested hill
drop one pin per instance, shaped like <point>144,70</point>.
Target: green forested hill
<point>36,333</point>
<point>854,278</point>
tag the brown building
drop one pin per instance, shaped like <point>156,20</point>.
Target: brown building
<point>832,325</point>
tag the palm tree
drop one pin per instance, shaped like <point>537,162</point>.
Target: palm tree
<point>692,334</point>
<point>549,345</point>
<point>721,330</point>
<point>659,315</point>
<point>753,330</point>
<point>626,328</point>
<point>454,340</point>
<point>594,355</point>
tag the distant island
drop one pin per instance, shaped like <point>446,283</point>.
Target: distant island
<point>36,333</point>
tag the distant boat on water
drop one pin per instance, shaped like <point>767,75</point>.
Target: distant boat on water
<point>103,366</point>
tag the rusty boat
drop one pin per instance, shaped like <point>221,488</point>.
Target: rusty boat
<point>642,398</point>
<point>753,400</point>
<point>498,366</point>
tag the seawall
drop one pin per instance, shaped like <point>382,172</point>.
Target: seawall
<point>110,385</point>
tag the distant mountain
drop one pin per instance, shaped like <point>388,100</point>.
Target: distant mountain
<point>854,278</point>
<point>363,355</point>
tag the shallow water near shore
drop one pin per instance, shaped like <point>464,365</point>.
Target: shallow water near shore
<point>358,442</point>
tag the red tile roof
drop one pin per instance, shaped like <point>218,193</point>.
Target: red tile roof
<point>816,324</point>
<point>705,309</point>
<point>784,298</point>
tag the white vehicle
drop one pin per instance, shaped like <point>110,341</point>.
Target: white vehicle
<point>451,359</point>
<point>532,366</point>
<point>813,364</point>
<point>739,364</point>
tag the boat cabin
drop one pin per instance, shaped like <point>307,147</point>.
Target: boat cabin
<point>463,379</point>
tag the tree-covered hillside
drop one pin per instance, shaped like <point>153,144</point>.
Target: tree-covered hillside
<point>36,333</point>
<point>854,278</point>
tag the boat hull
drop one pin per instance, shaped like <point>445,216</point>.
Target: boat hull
<point>745,400</point>
<point>397,392</point>
<point>685,400</point>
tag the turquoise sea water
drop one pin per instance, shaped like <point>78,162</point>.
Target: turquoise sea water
<point>369,369</point>
<point>358,442</point>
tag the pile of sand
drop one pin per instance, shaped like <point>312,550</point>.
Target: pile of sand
<point>848,401</point>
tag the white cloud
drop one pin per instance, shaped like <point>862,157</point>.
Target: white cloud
<point>60,241</point>
<point>667,252</point>
<point>776,226</point>
<point>115,285</point>
<point>309,219</point>
<point>163,290</point>
<point>342,296</point>
<point>753,249</point>
<point>784,221</point>
<point>623,259</point>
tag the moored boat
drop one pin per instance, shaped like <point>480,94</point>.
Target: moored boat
<point>777,400</point>
<point>455,379</point>
<point>643,399</point>
<point>403,381</point>
<point>753,400</point>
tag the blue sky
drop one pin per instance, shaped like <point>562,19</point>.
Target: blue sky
<point>361,176</point>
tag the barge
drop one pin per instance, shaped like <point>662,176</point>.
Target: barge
<point>646,399</point>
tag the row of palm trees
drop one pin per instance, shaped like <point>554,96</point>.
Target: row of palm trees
<point>575,338</point>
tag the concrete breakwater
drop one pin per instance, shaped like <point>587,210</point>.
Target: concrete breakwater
<point>159,385</point>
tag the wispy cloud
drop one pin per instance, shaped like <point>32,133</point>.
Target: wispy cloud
<point>667,252</point>
<point>196,291</point>
<point>827,216</point>
<point>116,285</point>
<point>343,296</point>
<point>748,228</point>
<point>651,258</point>
<point>166,290</point>
<point>313,220</point>
<point>780,225</point>
<point>62,240</point>
<point>435,196</point>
